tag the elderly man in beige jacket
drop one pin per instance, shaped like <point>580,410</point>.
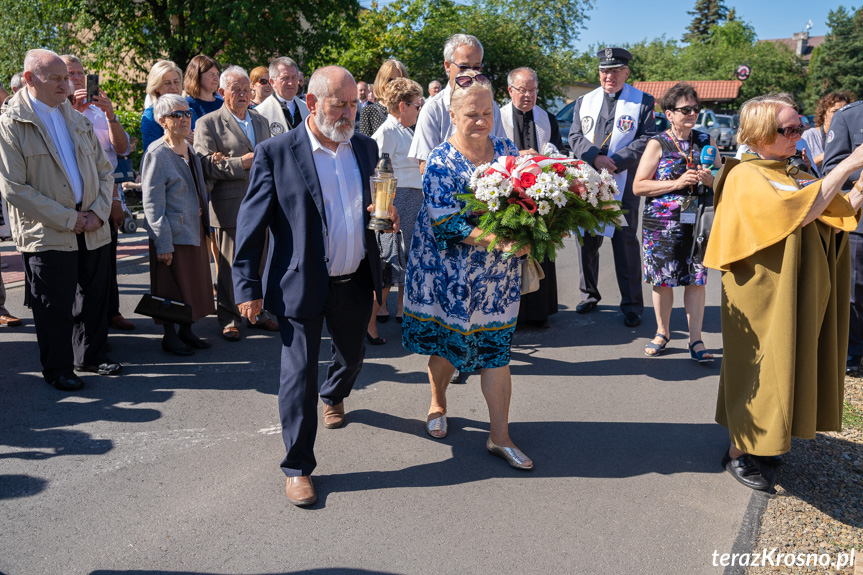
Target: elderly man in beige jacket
<point>58,183</point>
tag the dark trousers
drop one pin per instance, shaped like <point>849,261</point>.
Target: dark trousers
<point>68,295</point>
<point>627,261</point>
<point>113,287</point>
<point>347,310</point>
<point>855,328</point>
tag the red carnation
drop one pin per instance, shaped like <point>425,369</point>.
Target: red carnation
<point>560,169</point>
<point>527,179</point>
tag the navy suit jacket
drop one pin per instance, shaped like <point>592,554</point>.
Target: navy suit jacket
<point>285,196</point>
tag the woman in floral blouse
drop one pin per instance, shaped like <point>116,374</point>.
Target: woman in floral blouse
<point>675,185</point>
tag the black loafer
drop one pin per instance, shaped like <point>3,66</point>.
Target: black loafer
<point>585,307</point>
<point>744,470</point>
<point>769,460</point>
<point>631,319</point>
<point>68,382</point>
<point>107,368</point>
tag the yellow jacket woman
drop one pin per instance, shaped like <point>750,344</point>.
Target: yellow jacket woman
<point>778,239</point>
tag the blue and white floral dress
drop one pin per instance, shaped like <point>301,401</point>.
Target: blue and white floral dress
<point>461,301</point>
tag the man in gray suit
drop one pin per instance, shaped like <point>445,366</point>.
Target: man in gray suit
<point>225,140</point>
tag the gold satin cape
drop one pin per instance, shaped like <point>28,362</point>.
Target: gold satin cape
<point>785,306</point>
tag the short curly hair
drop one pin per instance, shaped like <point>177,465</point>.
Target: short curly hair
<point>401,90</point>
<point>828,101</point>
<point>679,91</point>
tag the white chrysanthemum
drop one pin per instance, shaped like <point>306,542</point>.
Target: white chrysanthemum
<point>559,200</point>
<point>592,199</point>
<point>534,192</point>
<point>544,207</point>
<point>494,205</point>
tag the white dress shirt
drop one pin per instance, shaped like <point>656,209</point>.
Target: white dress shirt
<point>55,123</point>
<point>342,187</point>
<point>434,126</point>
<point>246,127</point>
<point>394,139</point>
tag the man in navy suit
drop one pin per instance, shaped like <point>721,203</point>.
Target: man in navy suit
<point>310,187</point>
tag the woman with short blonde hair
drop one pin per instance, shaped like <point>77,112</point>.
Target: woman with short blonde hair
<point>780,239</point>
<point>165,77</point>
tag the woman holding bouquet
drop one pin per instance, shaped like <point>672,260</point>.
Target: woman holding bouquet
<point>462,300</point>
<point>670,176</point>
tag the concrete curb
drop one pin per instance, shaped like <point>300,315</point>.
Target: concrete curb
<point>747,537</point>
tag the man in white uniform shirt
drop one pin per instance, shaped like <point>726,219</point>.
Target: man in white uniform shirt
<point>283,109</point>
<point>461,52</point>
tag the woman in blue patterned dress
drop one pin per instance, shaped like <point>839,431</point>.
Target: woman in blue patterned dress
<point>669,175</point>
<point>461,300</point>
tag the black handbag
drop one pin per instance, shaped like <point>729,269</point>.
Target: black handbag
<point>165,310</point>
<point>701,232</point>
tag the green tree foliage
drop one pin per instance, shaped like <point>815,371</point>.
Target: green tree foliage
<point>44,28</point>
<point>837,64</point>
<point>128,36</point>
<point>705,15</point>
<point>775,68</point>
<point>414,31</point>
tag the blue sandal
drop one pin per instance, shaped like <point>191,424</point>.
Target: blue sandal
<point>657,348</point>
<point>699,355</point>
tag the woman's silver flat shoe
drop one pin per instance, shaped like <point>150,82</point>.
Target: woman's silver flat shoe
<point>512,455</point>
<point>437,425</point>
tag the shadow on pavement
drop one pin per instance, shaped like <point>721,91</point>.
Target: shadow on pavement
<point>322,571</point>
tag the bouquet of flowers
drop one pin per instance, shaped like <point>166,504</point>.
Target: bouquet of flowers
<point>539,200</point>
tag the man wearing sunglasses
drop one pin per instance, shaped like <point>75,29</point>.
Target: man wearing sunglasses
<point>59,185</point>
<point>461,52</point>
<point>283,109</point>
<point>610,129</point>
<point>844,136</point>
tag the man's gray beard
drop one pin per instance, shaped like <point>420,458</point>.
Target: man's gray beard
<point>329,129</point>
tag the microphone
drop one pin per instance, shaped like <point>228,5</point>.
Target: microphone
<point>708,156</point>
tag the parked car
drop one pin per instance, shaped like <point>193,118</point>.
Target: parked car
<point>564,122</point>
<point>707,122</point>
<point>728,131</point>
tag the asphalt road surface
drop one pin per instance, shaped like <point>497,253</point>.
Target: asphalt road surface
<point>174,466</point>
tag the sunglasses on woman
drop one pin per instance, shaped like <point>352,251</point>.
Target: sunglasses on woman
<point>467,81</point>
<point>686,110</point>
<point>263,81</point>
<point>181,114</point>
<point>792,131</point>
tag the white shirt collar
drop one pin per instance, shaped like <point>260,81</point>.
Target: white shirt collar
<point>286,102</point>
<point>43,107</point>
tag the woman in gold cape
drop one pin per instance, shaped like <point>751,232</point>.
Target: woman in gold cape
<point>778,238</point>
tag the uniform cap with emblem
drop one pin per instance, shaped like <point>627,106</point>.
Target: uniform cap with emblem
<point>613,58</point>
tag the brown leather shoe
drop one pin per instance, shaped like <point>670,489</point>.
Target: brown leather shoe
<point>334,415</point>
<point>9,320</point>
<point>300,490</point>
<point>121,323</point>
<point>269,325</point>
<point>231,333</point>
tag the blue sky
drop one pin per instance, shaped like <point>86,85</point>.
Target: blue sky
<point>620,21</point>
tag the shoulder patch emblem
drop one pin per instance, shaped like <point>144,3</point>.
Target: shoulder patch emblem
<point>625,124</point>
<point>586,125</point>
<point>276,129</point>
<point>830,136</point>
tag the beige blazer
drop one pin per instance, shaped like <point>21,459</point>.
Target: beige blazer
<point>227,181</point>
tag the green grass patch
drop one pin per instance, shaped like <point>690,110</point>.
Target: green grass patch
<point>852,417</point>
